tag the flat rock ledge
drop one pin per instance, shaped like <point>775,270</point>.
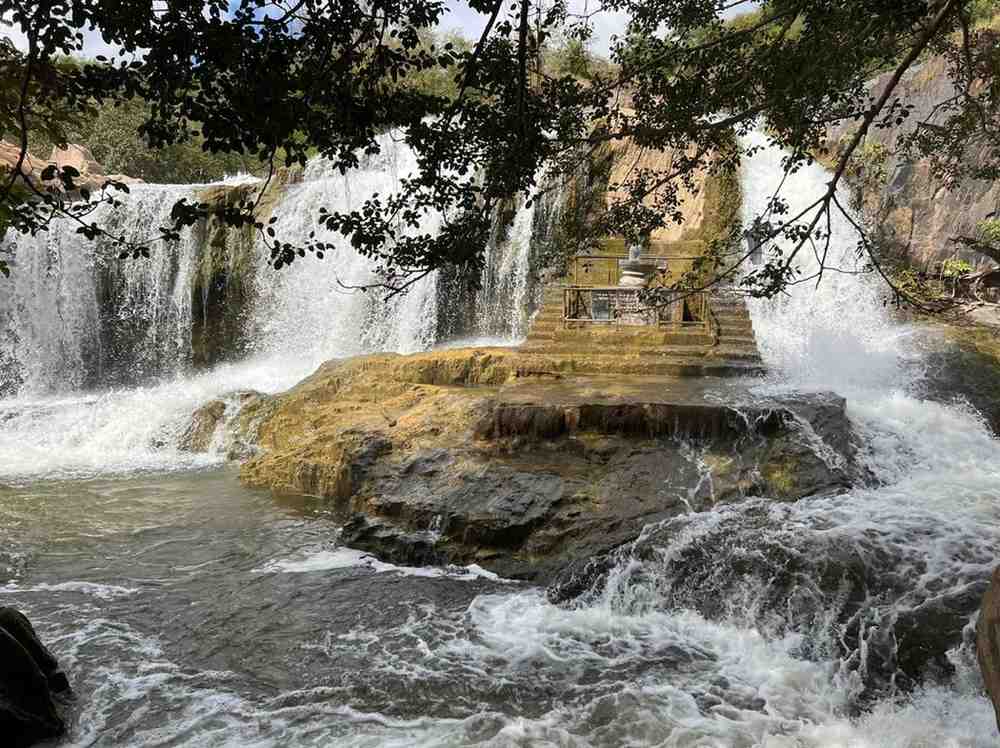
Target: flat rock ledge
<point>522,466</point>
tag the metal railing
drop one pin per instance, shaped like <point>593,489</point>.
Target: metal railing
<point>624,307</point>
<point>606,270</point>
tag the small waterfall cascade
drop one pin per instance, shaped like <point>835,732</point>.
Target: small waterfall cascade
<point>837,334</point>
<point>312,310</point>
<point>497,309</point>
<point>502,302</point>
<point>77,317</point>
<point>866,600</point>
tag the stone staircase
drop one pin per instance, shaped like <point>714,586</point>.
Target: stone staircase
<point>730,351</point>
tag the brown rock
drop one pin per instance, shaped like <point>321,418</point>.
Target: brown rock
<point>198,435</point>
<point>988,641</point>
<point>912,212</point>
<point>466,454</point>
<point>10,154</point>
<point>77,156</point>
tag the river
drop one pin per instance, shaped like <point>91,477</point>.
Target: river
<point>190,611</point>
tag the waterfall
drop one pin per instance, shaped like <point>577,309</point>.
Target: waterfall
<point>103,360</point>
<point>864,600</point>
<point>309,311</point>
<point>75,316</point>
<point>837,334</point>
<point>78,318</point>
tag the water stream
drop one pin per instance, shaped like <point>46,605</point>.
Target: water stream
<point>190,611</point>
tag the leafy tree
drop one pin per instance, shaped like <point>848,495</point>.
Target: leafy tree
<point>279,81</point>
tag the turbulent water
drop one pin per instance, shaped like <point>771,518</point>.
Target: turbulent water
<point>189,611</point>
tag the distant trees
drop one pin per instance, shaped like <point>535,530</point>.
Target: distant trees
<point>276,81</point>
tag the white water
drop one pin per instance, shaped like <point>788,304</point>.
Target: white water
<point>71,419</point>
<point>501,305</point>
<point>932,520</point>
<point>307,312</point>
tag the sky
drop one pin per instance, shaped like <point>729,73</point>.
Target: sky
<point>459,17</point>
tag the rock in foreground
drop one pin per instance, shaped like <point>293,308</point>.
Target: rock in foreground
<point>488,457</point>
<point>988,641</point>
<point>28,679</point>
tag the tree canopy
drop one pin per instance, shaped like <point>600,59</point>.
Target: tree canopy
<point>280,81</point>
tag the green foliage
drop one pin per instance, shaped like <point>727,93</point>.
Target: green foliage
<point>984,12</point>
<point>440,80</point>
<point>571,57</point>
<point>218,80</point>
<point>954,268</point>
<point>989,230</point>
<point>113,137</point>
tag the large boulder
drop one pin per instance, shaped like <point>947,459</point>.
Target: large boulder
<point>988,641</point>
<point>483,456</point>
<point>28,679</point>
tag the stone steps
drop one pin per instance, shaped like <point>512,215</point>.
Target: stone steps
<point>629,349</point>
<point>736,340</point>
<point>676,366</point>
<point>730,351</point>
<point>621,339</point>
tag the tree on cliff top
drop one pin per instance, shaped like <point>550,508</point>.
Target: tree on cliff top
<point>282,80</point>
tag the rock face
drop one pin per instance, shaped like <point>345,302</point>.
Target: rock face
<point>92,176</point>
<point>916,214</point>
<point>988,641</point>
<point>491,457</point>
<point>29,678</point>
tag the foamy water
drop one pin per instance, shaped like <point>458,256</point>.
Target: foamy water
<point>192,612</point>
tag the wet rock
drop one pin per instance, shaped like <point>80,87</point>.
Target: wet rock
<point>525,475</point>
<point>29,678</point>
<point>204,422</point>
<point>988,641</point>
<point>963,365</point>
<point>757,563</point>
<point>236,410</point>
<point>391,544</point>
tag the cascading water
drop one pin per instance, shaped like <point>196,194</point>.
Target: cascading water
<point>502,302</point>
<point>311,311</point>
<point>75,315</point>
<point>865,601</point>
<point>78,319</point>
<point>191,611</point>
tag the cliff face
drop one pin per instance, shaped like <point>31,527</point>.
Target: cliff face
<point>915,214</point>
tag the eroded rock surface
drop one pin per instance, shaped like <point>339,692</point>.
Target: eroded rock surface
<point>988,641</point>
<point>488,457</point>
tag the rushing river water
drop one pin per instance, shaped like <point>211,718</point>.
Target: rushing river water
<point>189,611</point>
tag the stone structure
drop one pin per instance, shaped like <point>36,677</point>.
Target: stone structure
<point>635,272</point>
<point>696,335</point>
